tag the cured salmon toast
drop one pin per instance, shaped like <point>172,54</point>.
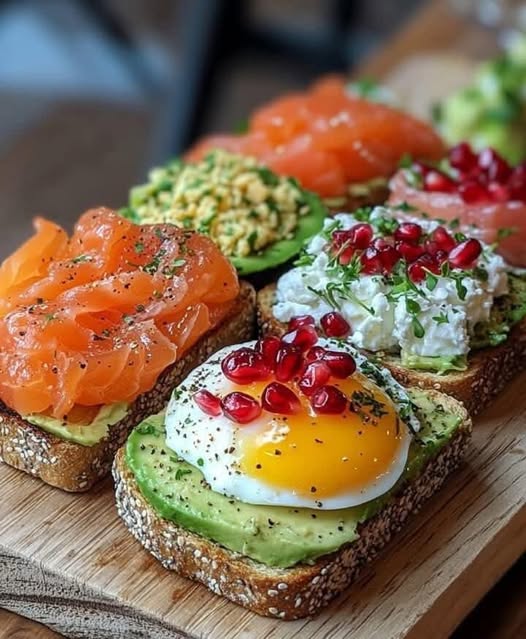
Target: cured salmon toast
<point>329,139</point>
<point>100,320</point>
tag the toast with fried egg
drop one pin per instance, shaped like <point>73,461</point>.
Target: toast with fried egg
<point>232,489</point>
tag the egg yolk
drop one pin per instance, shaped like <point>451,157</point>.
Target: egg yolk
<point>322,456</point>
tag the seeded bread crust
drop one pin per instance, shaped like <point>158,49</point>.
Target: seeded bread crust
<point>284,593</point>
<point>76,468</point>
<point>488,372</point>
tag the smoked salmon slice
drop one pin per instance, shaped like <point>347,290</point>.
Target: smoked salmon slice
<point>95,318</point>
<point>329,139</point>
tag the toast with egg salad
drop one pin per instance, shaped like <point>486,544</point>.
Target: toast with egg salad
<point>281,466</point>
<point>95,331</point>
<point>439,309</point>
<point>257,218</point>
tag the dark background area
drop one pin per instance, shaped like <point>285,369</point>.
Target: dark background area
<point>94,92</point>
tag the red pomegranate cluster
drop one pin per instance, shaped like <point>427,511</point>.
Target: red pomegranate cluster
<point>421,252</point>
<point>296,357</point>
<point>483,177</point>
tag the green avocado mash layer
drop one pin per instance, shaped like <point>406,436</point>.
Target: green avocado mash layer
<point>83,434</point>
<point>273,535</point>
<point>257,218</point>
<point>507,311</point>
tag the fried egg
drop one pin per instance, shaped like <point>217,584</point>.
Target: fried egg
<point>301,460</point>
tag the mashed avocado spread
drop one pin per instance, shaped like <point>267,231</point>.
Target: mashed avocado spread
<point>275,536</point>
<point>83,434</point>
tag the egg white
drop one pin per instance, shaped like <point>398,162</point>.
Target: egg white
<point>212,443</point>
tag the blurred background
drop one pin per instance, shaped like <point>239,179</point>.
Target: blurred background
<point>94,92</point>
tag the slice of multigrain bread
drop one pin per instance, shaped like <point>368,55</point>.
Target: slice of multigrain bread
<point>76,468</point>
<point>488,372</point>
<point>285,593</point>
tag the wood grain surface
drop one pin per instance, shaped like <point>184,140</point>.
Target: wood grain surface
<point>66,560</point>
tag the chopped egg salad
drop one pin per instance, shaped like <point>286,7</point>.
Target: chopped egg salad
<point>243,206</point>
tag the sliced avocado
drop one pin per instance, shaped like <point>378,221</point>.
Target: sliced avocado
<point>284,250</point>
<point>440,365</point>
<point>275,536</point>
<point>83,434</point>
<point>507,311</point>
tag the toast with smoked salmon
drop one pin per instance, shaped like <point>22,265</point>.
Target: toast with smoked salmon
<point>95,331</point>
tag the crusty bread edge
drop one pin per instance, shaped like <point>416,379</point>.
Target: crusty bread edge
<point>75,468</point>
<point>289,593</point>
<point>489,369</point>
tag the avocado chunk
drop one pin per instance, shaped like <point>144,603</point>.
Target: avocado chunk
<point>507,311</point>
<point>83,434</point>
<point>275,536</point>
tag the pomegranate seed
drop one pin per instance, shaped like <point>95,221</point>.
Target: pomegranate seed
<point>410,252</point>
<point>496,167</point>
<point>315,353</point>
<point>208,403</point>
<point>408,232</point>
<point>240,407</point>
<point>346,256</point>
<point>417,271</point>
<point>498,192</point>
<point>461,157</point>
<point>465,253</point>
<point>443,239</point>
<point>301,320</point>
<point>328,400</point>
<point>268,347</point>
<point>358,236</point>
<point>362,234</point>
<point>517,183</point>
<point>472,192</point>
<point>289,362</point>
<point>341,365</point>
<point>371,262</point>
<point>303,337</point>
<point>431,247</point>
<point>335,325</point>
<point>277,398</point>
<point>315,375</point>
<point>389,256</point>
<point>245,366</point>
<point>435,181</point>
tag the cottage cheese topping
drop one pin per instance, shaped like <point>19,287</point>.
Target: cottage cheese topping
<point>445,311</point>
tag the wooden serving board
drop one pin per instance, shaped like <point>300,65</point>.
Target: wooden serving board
<point>67,561</point>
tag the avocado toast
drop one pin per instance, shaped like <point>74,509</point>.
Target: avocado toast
<point>272,544</point>
<point>96,329</point>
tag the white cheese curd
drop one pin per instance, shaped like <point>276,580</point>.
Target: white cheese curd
<point>380,320</point>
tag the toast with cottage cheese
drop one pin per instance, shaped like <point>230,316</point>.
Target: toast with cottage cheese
<point>297,590</point>
<point>488,371</point>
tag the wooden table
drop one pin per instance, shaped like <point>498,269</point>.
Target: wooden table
<point>502,614</point>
